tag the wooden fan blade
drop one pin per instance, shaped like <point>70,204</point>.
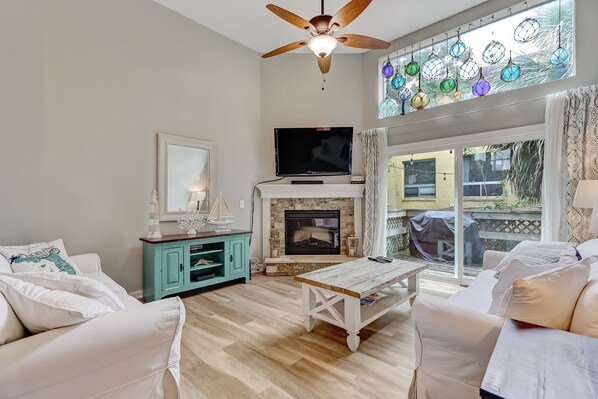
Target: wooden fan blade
<point>361,41</point>
<point>324,63</point>
<point>284,49</point>
<point>290,17</point>
<point>348,13</point>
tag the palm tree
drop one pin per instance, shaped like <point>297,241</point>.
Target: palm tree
<point>526,170</point>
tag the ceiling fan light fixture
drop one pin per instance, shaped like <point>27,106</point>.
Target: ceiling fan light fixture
<point>322,44</point>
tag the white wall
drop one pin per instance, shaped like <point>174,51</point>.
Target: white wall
<point>528,104</point>
<point>84,88</point>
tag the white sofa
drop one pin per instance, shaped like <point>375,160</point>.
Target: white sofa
<point>455,338</point>
<point>131,353</point>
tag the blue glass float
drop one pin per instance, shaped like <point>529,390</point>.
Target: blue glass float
<point>404,95</point>
<point>458,48</point>
<point>387,70</point>
<point>387,107</point>
<point>511,72</point>
<point>559,56</point>
<point>482,86</point>
<point>398,81</point>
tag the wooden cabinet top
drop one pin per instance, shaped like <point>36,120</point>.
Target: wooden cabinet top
<point>186,237</point>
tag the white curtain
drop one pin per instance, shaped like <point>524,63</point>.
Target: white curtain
<point>375,156</point>
<point>570,155</point>
<point>553,167</point>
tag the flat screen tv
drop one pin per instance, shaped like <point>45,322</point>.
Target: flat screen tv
<point>313,151</point>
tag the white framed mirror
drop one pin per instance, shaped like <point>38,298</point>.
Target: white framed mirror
<point>186,175</point>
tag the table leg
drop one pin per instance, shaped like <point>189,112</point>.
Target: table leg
<point>352,321</point>
<point>309,303</point>
<point>413,286</point>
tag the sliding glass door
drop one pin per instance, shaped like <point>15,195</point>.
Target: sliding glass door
<point>449,205</point>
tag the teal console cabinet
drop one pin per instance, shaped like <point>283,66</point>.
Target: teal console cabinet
<point>181,262</point>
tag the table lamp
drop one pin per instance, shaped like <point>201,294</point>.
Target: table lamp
<point>586,196</point>
<point>198,197</point>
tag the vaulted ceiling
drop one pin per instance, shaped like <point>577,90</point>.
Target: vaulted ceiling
<point>251,24</point>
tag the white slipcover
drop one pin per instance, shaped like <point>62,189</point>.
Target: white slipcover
<point>131,353</point>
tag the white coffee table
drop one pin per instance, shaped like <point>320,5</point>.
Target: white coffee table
<point>334,294</point>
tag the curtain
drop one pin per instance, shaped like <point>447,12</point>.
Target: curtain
<point>553,167</point>
<point>375,156</point>
<point>580,149</point>
<point>570,155</point>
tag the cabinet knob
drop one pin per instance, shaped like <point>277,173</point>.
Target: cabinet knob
<point>231,258</point>
<point>181,267</point>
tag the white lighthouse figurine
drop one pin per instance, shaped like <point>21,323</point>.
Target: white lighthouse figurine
<point>153,226</point>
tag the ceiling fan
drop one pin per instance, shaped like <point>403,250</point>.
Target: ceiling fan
<point>322,28</point>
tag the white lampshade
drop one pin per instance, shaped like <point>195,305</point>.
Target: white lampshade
<point>322,44</point>
<point>198,196</point>
<point>586,194</point>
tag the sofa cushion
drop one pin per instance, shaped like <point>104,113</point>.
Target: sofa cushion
<point>585,316</point>
<point>4,265</point>
<point>40,257</point>
<point>514,270</point>
<point>588,248</point>
<point>539,253</point>
<point>548,298</point>
<point>107,281</point>
<point>478,295</point>
<point>11,328</point>
<point>41,309</point>
<point>78,284</point>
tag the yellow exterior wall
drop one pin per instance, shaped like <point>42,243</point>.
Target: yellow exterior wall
<point>445,189</point>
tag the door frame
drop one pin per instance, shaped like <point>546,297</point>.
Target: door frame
<point>457,144</point>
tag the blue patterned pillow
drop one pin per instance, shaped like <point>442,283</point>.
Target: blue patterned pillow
<point>41,257</point>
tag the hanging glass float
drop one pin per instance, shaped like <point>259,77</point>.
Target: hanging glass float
<point>448,84</point>
<point>398,81</point>
<point>387,107</point>
<point>560,55</point>
<point>412,68</point>
<point>469,69</point>
<point>494,52</point>
<point>527,30</point>
<point>482,86</point>
<point>404,95</point>
<point>511,72</point>
<point>387,69</point>
<point>433,66</point>
<point>420,100</point>
<point>459,47</point>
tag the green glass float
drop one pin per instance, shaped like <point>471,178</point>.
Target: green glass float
<point>458,48</point>
<point>511,72</point>
<point>448,84</point>
<point>412,68</point>
<point>494,52</point>
<point>387,107</point>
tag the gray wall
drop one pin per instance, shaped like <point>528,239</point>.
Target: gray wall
<point>84,88</point>
<point>529,102</point>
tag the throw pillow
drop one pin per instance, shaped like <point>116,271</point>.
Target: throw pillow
<point>539,253</point>
<point>548,298</point>
<point>41,257</point>
<point>78,284</point>
<point>588,248</point>
<point>514,270</point>
<point>585,316</point>
<point>11,328</point>
<point>41,309</point>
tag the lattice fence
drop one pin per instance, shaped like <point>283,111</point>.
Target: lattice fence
<point>397,238</point>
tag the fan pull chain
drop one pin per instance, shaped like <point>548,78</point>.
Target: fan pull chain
<point>323,80</point>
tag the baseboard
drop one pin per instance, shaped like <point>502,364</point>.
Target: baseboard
<point>137,294</point>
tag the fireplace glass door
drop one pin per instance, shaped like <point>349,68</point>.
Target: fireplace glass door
<point>312,232</point>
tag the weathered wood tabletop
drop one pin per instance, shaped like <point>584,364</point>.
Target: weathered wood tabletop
<point>538,362</point>
<point>361,277</point>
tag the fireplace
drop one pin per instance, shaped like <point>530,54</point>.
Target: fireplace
<point>312,232</point>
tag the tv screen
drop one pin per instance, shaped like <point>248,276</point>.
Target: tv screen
<point>313,151</point>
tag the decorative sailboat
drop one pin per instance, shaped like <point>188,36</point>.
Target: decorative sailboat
<point>220,215</point>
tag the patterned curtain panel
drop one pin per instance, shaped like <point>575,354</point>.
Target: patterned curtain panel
<point>580,152</point>
<point>375,156</point>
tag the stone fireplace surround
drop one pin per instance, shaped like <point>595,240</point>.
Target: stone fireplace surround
<point>276,198</point>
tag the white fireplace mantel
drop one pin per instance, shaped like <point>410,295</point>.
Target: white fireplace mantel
<point>273,191</point>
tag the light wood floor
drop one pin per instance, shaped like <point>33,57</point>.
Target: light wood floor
<point>248,341</point>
